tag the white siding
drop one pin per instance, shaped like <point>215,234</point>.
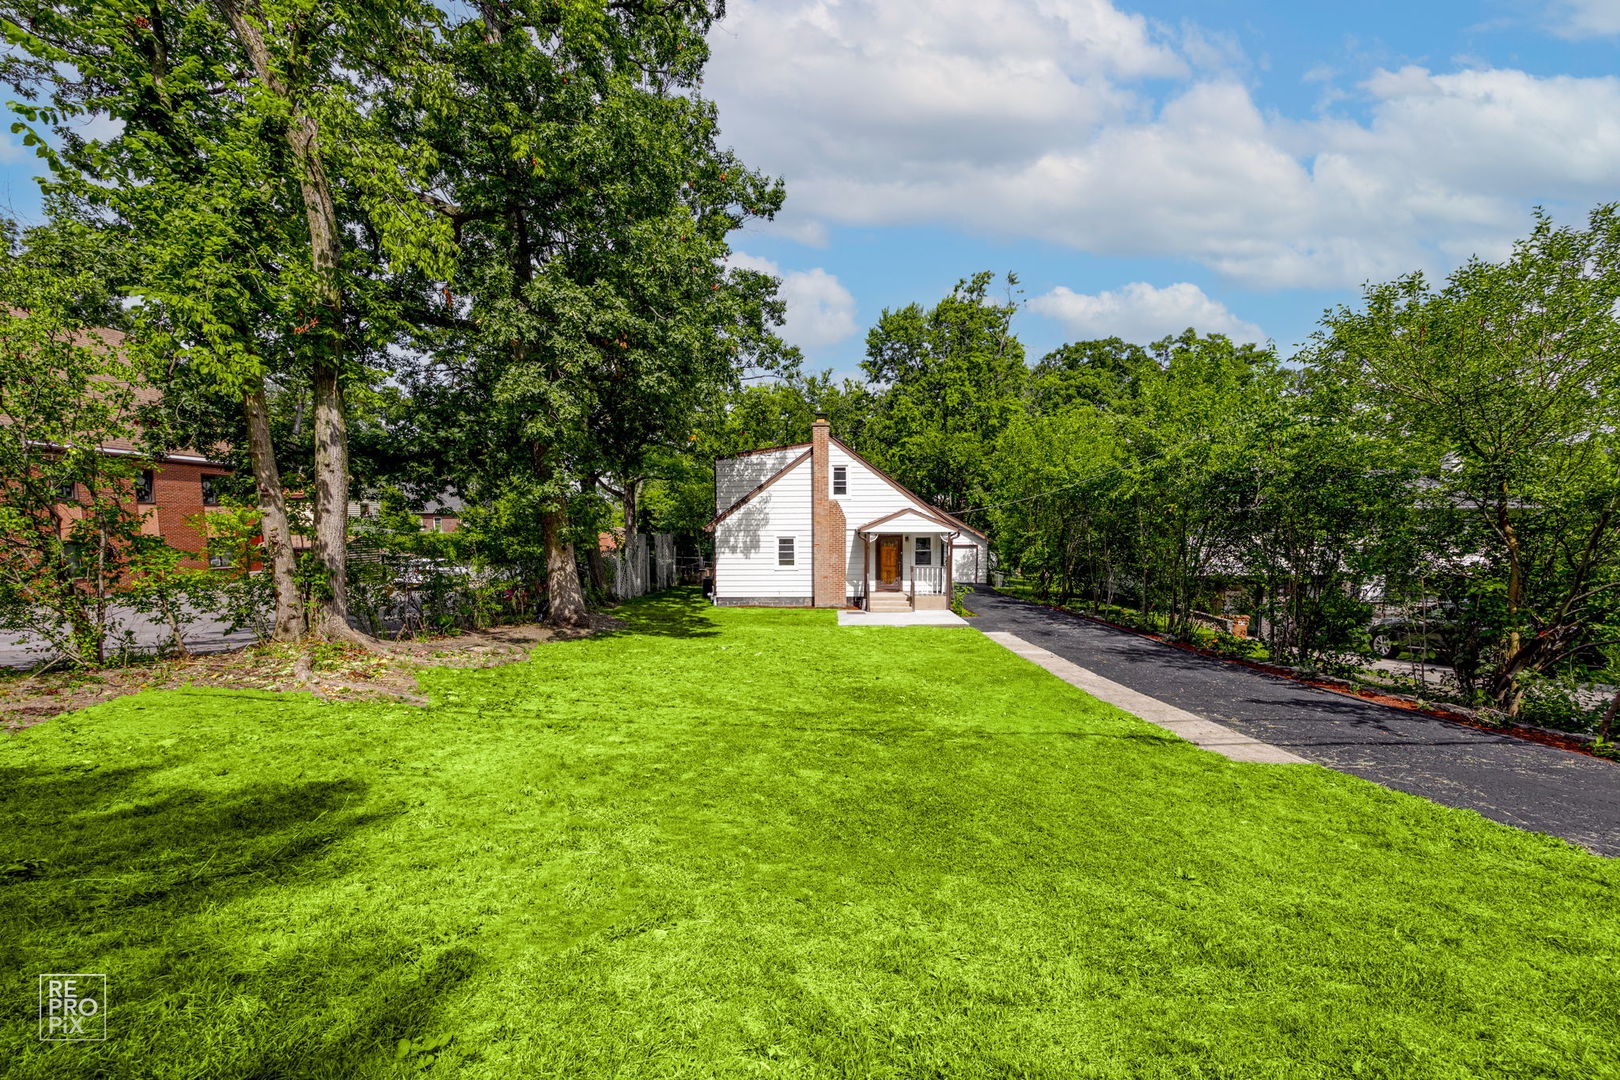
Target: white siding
<point>972,563</point>
<point>745,543</point>
<point>737,476</point>
<point>870,497</point>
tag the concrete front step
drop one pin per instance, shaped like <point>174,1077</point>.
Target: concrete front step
<point>879,602</point>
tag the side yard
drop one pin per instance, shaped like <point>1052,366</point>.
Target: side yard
<point>737,843</point>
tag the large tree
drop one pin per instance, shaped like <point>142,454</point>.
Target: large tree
<point>248,167</point>
<point>578,166</point>
<point>949,380</point>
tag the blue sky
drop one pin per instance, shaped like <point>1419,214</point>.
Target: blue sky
<point>1143,166</point>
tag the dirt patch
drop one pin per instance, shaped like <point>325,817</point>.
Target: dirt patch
<point>330,670</point>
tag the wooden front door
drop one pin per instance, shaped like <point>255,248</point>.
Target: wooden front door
<point>888,562</point>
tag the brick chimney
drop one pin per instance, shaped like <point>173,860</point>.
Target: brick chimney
<point>827,540</point>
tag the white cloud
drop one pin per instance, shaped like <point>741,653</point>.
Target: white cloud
<point>820,311</point>
<point>806,231</point>
<point>1141,312</point>
<point>1585,18</point>
<point>1053,119</point>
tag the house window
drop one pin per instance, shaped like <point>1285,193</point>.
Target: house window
<point>219,560</point>
<point>210,490</point>
<point>145,489</point>
<point>438,524</point>
<point>840,480</point>
<point>924,555</point>
<point>67,491</point>
<point>784,551</point>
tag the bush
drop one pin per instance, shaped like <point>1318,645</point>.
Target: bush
<point>1564,702</point>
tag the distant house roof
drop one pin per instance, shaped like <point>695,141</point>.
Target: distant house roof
<point>144,395</point>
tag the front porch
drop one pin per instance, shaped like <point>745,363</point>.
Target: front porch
<point>905,564</point>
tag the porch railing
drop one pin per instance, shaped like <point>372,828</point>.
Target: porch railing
<point>927,579</point>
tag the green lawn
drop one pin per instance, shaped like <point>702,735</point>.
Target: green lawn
<point>748,843</point>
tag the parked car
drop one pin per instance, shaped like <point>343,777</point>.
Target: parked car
<point>1429,633</point>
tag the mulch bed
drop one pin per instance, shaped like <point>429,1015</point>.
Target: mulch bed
<point>1539,735</point>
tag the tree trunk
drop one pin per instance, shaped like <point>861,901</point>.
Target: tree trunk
<point>1606,725</point>
<point>566,602</point>
<point>598,572</point>
<point>302,135</point>
<point>632,507</point>
<point>173,615</point>
<point>332,503</point>
<point>1505,688</point>
<point>278,553</point>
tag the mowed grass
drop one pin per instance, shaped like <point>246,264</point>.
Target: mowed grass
<point>747,843</point>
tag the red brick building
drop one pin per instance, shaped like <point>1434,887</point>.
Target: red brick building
<point>169,489</point>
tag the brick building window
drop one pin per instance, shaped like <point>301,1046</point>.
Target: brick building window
<point>67,491</point>
<point>784,551</point>
<point>210,490</point>
<point>145,487</point>
<point>219,560</point>
<point>924,555</point>
<point>840,480</point>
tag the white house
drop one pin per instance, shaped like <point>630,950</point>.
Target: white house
<point>816,524</point>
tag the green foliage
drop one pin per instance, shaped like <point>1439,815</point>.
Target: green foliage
<point>156,584</point>
<point>1508,377</point>
<point>1564,700</point>
<point>951,378</point>
<point>1101,374</point>
<point>241,593</point>
<point>68,520</point>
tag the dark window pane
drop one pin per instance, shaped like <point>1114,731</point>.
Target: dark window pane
<point>144,487</point>
<point>784,551</point>
<point>840,480</point>
<point>210,491</point>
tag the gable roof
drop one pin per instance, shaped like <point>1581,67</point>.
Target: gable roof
<point>773,478</point>
<point>899,518</point>
<point>768,450</point>
<point>928,510</point>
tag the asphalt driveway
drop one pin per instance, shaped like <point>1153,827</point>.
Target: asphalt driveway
<point>207,633</point>
<point>1509,780</point>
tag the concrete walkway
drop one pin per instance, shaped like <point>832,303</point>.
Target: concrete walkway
<point>900,618</point>
<point>1514,781</point>
<point>1195,729</point>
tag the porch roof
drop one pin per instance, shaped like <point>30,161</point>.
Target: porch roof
<point>908,521</point>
